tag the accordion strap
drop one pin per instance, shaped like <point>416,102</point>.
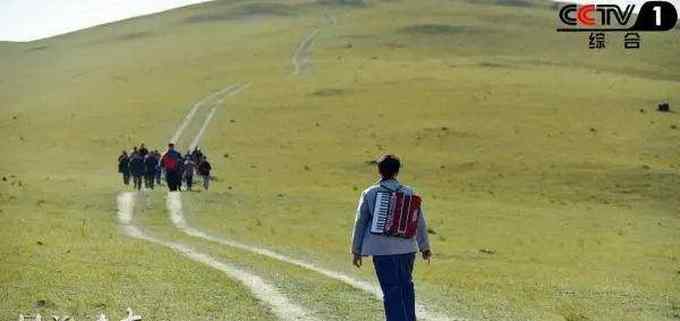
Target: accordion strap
<point>391,190</point>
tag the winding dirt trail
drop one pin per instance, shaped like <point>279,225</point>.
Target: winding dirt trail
<point>232,92</point>
<point>281,306</point>
<point>301,60</point>
<point>187,119</point>
<point>177,217</point>
<point>302,56</point>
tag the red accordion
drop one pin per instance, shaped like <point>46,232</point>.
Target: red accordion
<point>395,214</point>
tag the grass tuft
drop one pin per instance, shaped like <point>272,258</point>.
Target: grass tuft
<point>435,29</point>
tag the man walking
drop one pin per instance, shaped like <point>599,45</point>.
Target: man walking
<point>124,167</point>
<point>204,169</point>
<point>393,257</point>
<point>171,163</point>
<point>189,169</point>
<point>150,162</point>
<point>142,150</point>
<point>137,169</point>
<point>158,170</point>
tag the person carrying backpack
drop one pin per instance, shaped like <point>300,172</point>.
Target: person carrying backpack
<point>204,169</point>
<point>124,167</point>
<point>137,169</point>
<point>150,162</point>
<point>392,246</point>
<point>170,162</point>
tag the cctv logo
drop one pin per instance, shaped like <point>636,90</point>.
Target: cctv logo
<point>585,15</point>
<point>653,16</point>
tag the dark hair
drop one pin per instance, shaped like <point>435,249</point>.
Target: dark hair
<point>388,165</point>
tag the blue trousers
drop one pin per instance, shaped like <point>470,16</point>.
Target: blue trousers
<point>394,275</point>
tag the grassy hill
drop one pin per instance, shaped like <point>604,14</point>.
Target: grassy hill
<point>521,140</point>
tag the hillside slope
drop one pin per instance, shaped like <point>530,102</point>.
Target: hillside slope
<point>522,141</point>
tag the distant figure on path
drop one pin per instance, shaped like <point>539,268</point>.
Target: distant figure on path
<point>142,150</point>
<point>137,169</point>
<point>393,256</point>
<point>170,162</point>
<point>180,172</point>
<point>197,155</point>
<point>204,169</point>
<point>124,167</point>
<point>150,162</point>
<point>159,170</point>
<point>189,169</point>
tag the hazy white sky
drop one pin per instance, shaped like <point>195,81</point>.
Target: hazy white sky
<point>26,20</point>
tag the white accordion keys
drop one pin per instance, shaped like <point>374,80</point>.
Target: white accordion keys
<point>380,212</point>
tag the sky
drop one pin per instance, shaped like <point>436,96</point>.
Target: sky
<point>27,20</point>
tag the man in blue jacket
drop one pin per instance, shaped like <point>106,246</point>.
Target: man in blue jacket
<point>137,169</point>
<point>171,163</point>
<point>393,257</point>
<point>150,163</point>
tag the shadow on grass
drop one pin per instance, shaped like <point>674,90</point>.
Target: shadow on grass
<point>507,3</point>
<point>486,64</point>
<point>38,48</point>
<point>328,92</point>
<point>352,3</point>
<point>435,29</point>
<point>515,3</point>
<point>134,35</point>
<point>246,11</point>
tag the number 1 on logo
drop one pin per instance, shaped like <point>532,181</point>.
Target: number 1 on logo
<point>657,9</point>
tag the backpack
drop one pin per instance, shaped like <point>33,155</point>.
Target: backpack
<point>170,162</point>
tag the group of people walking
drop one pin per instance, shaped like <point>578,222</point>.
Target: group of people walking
<point>393,252</point>
<point>147,167</point>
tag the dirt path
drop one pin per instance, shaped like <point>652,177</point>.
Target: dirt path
<point>177,217</point>
<point>302,56</point>
<point>187,119</point>
<point>330,18</point>
<point>206,122</point>
<point>174,206</point>
<point>281,306</point>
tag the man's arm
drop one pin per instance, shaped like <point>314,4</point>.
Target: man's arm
<point>422,238</point>
<point>360,224</point>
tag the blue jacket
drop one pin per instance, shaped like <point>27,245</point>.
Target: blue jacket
<point>137,167</point>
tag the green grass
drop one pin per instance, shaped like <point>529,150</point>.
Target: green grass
<point>520,139</point>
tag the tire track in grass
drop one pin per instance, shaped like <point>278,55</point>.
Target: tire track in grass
<point>301,54</point>
<point>330,18</point>
<point>187,119</point>
<point>178,219</point>
<point>283,308</point>
<point>208,118</point>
